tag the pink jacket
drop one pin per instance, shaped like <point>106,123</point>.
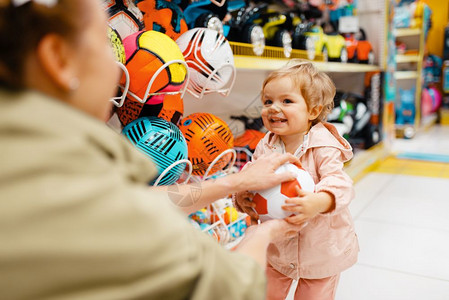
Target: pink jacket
<point>328,244</point>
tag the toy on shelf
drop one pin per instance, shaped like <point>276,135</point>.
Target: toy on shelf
<point>431,100</point>
<point>359,48</point>
<point>332,46</point>
<point>342,115</point>
<point>426,102</point>
<point>353,119</point>
<point>308,14</point>
<point>269,202</point>
<point>205,13</point>
<point>244,29</point>
<point>405,111</point>
<point>276,27</point>
<point>432,67</point>
<point>401,48</point>
<point>163,16</point>
<point>412,14</point>
<point>405,108</point>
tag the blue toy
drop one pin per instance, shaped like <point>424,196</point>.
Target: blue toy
<point>402,17</point>
<point>206,13</point>
<point>405,109</point>
<point>162,141</point>
<point>432,69</point>
<point>238,228</point>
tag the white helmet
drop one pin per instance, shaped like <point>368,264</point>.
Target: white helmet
<point>210,60</point>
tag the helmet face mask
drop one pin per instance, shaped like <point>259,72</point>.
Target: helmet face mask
<point>199,91</point>
<point>119,100</point>
<point>210,60</point>
<point>126,93</point>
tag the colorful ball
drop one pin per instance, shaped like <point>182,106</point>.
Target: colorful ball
<point>269,202</point>
<point>162,141</point>
<point>163,16</point>
<point>146,52</point>
<point>208,54</point>
<point>207,137</point>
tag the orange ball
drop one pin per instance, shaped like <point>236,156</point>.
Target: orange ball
<point>207,137</point>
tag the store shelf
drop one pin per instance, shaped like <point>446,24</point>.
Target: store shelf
<point>407,58</point>
<point>273,58</point>
<point>243,49</point>
<point>350,68</point>
<point>398,32</point>
<point>405,75</point>
<point>258,63</point>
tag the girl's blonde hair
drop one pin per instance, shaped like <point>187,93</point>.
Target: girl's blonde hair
<point>316,87</point>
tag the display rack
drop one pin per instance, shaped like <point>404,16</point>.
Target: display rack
<point>408,74</point>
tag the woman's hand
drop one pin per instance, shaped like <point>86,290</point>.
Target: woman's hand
<point>277,229</point>
<point>244,203</point>
<point>257,238</point>
<point>307,205</point>
<point>260,174</point>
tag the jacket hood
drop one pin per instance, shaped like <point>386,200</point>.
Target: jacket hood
<point>325,134</point>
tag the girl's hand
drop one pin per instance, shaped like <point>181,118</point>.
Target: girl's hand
<point>243,202</point>
<point>307,205</point>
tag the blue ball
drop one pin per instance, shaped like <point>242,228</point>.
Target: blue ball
<point>162,142</point>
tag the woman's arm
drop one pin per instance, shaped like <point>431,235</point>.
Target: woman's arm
<point>257,237</point>
<point>259,175</point>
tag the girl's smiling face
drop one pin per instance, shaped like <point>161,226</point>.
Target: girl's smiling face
<point>285,111</point>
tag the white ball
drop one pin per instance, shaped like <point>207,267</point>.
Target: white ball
<point>206,51</point>
<point>269,202</point>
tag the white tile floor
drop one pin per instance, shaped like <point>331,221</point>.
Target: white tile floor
<point>435,140</point>
<point>403,227</point>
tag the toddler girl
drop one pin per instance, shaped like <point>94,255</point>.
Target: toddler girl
<point>296,100</point>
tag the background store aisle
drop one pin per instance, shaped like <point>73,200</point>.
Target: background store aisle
<point>401,218</point>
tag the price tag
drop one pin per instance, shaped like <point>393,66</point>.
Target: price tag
<point>348,24</point>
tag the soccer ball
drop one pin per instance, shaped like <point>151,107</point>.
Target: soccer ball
<point>147,56</point>
<point>269,202</point>
<point>162,142</point>
<point>170,110</point>
<point>210,60</point>
<point>124,16</point>
<point>207,137</point>
<point>163,16</point>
